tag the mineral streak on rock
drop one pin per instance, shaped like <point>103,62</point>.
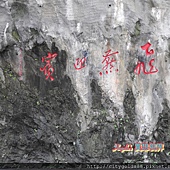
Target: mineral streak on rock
<point>81,114</point>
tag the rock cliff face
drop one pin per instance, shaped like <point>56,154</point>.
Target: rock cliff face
<point>90,105</point>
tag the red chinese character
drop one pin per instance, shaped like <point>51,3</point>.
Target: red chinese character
<point>48,69</point>
<point>108,61</point>
<point>80,63</point>
<point>146,48</point>
<point>141,65</point>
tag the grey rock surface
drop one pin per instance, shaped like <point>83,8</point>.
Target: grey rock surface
<point>81,114</point>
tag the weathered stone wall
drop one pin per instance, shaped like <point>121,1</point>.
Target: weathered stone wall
<point>81,114</point>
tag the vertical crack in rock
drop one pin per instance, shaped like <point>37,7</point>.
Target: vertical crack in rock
<point>96,95</point>
<point>129,108</point>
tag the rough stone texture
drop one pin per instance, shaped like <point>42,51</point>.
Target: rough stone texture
<point>80,115</point>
